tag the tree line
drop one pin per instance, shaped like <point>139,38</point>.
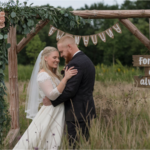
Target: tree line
<point>121,48</point>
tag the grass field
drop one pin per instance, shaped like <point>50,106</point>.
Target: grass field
<point>116,73</point>
<point>123,114</point>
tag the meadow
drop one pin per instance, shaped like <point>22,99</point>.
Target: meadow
<point>123,114</point>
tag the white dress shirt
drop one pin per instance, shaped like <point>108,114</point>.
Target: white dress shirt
<point>76,53</point>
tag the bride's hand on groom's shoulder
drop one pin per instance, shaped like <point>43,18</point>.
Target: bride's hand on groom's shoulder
<point>70,72</point>
<point>46,101</point>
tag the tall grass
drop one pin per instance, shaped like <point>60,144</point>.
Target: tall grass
<point>117,73</point>
<point>123,114</point>
<point>123,117</point>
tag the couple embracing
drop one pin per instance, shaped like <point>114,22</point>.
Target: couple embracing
<point>68,99</point>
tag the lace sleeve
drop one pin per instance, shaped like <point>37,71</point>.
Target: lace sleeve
<point>45,83</point>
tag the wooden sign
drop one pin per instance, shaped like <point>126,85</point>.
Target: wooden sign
<point>141,60</point>
<point>2,19</point>
<point>143,82</point>
<point>147,71</point>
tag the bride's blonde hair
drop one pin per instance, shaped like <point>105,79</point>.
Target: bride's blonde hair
<point>43,64</point>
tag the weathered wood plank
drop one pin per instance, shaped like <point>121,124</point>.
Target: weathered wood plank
<point>143,82</point>
<point>134,30</point>
<point>112,14</point>
<point>13,79</point>
<point>13,90</point>
<point>141,60</point>
<point>147,71</point>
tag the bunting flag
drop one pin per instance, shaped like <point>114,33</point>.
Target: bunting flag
<point>94,38</point>
<point>102,35</point>
<point>110,33</point>
<point>2,19</point>
<point>117,28</point>
<point>52,30</point>
<point>86,40</point>
<point>59,35</point>
<point>77,39</point>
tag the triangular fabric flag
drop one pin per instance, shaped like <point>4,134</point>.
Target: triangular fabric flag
<point>102,36</point>
<point>69,34</point>
<point>77,39</point>
<point>110,33</point>
<point>117,28</point>
<point>59,35</point>
<point>94,38</point>
<point>51,30</point>
<point>86,40</point>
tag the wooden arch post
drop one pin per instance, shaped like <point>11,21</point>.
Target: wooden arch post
<point>13,88</point>
<point>13,78</point>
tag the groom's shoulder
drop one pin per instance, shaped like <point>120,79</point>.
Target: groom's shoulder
<point>81,56</point>
<point>81,60</point>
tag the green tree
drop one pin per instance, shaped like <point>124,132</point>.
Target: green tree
<point>34,47</point>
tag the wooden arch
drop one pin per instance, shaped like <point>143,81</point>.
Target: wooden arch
<point>15,48</point>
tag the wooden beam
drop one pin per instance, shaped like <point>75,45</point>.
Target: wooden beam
<point>25,41</point>
<point>13,78</point>
<point>112,14</point>
<point>132,28</point>
<point>149,28</point>
<point>13,88</point>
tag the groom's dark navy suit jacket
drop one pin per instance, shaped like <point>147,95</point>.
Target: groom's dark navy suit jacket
<point>78,93</point>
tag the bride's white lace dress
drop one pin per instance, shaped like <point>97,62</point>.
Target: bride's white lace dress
<point>46,129</point>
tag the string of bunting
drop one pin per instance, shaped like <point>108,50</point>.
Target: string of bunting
<point>2,19</point>
<point>101,35</point>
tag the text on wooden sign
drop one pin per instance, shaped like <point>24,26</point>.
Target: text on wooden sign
<point>141,60</point>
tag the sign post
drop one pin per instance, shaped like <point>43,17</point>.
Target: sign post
<point>142,61</point>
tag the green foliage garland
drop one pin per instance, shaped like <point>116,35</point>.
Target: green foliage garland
<point>25,18</point>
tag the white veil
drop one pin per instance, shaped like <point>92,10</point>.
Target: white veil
<point>33,99</point>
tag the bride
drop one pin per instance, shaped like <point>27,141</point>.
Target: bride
<point>46,129</point>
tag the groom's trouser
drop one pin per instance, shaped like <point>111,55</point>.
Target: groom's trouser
<point>72,128</point>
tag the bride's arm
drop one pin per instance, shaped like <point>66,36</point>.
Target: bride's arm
<point>53,93</point>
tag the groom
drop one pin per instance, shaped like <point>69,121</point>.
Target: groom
<point>78,93</point>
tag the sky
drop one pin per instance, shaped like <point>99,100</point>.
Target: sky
<point>75,4</point>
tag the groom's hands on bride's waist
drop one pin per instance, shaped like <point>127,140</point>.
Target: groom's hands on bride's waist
<point>46,101</point>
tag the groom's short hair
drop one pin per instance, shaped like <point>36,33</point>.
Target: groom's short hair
<point>67,38</point>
